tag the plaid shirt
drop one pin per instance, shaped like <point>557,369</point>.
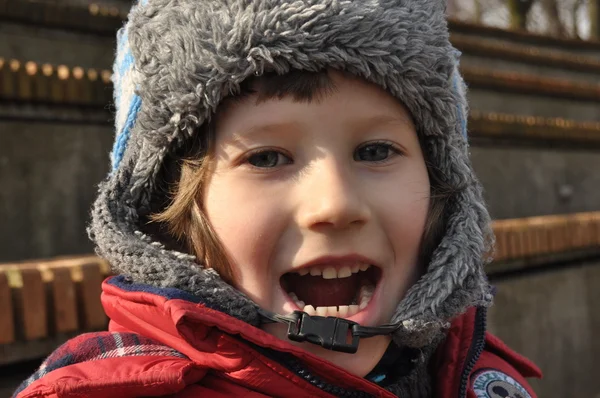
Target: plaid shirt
<point>96,346</point>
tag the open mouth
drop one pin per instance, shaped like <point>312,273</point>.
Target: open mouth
<point>332,291</point>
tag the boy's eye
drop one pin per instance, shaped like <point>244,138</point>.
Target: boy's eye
<point>375,152</point>
<point>267,159</point>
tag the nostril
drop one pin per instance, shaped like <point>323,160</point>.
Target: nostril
<point>333,206</point>
<point>336,220</point>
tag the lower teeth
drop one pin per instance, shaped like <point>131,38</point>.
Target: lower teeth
<point>343,311</point>
<point>365,295</point>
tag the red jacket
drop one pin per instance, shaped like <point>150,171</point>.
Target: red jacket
<point>160,342</point>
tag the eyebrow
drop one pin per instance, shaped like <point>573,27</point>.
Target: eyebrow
<point>263,129</point>
<point>360,124</point>
<point>384,119</point>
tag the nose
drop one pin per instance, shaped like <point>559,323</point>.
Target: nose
<point>331,196</point>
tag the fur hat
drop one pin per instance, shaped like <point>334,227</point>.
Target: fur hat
<point>177,60</point>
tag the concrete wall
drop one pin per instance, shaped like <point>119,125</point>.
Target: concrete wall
<point>526,181</point>
<point>48,174</point>
<point>553,317</point>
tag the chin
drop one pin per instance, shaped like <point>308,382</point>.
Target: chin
<point>370,351</point>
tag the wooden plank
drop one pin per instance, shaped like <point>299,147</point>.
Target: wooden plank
<point>89,290</point>
<point>7,322</point>
<point>24,84</point>
<point>64,301</point>
<point>7,80</point>
<point>531,240</point>
<point>543,240</point>
<point>32,297</point>
<point>513,243</point>
<point>596,228</point>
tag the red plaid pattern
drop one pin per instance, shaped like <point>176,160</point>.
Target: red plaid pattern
<point>97,346</point>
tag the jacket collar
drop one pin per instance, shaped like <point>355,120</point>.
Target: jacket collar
<point>206,336</point>
<point>455,361</point>
<point>209,338</point>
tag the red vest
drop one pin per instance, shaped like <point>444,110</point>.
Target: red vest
<point>161,345</point>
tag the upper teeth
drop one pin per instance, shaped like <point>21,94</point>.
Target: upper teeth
<point>329,272</point>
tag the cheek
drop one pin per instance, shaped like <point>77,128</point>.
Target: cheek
<point>406,207</point>
<point>404,224</point>
<point>246,223</point>
<point>406,229</point>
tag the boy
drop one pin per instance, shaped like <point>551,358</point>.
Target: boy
<point>291,212</point>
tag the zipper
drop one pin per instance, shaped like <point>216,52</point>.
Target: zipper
<point>294,365</point>
<point>329,388</point>
<point>475,350</point>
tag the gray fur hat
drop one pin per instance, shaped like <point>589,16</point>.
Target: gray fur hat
<point>176,61</point>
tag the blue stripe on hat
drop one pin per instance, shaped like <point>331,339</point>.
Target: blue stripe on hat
<point>121,70</point>
<point>122,139</point>
<point>123,61</point>
<point>127,63</point>
<point>460,111</point>
<point>123,64</point>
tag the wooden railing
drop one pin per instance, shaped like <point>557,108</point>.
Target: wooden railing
<point>518,36</point>
<point>33,83</point>
<point>528,54</point>
<point>540,130</point>
<point>27,81</point>
<point>527,83</point>
<point>545,235</point>
<point>96,19</point>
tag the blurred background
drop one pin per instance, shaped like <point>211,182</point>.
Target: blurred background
<point>533,71</point>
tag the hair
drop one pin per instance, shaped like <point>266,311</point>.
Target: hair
<point>183,217</point>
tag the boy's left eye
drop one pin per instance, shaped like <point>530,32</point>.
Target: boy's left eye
<point>268,159</point>
<point>375,152</point>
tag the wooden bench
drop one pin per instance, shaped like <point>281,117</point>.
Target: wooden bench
<point>45,302</point>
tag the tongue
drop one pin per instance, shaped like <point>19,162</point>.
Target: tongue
<point>319,292</point>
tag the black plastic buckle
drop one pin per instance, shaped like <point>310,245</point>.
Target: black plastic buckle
<point>328,332</point>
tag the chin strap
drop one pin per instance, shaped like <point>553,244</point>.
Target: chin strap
<point>333,333</point>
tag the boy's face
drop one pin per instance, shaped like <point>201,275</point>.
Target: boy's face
<point>321,206</point>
